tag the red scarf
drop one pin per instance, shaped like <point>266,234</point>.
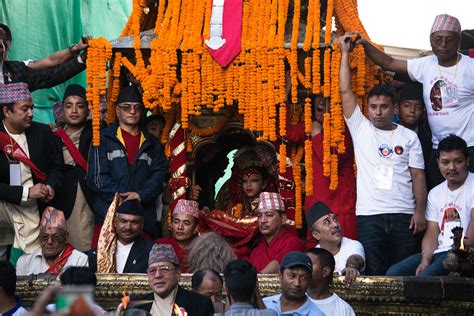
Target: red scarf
<point>75,153</point>
<point>60,262</point>
<point>13,150</point>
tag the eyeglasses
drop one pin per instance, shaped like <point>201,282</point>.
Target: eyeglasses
<point>438,40</point>
<point>165,270</point>
<point>54,238</point>
<point>128,107</point>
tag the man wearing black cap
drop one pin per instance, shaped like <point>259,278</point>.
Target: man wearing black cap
<point>295,273</point>
<point>128,161</point>
<point>74,198</point>
<point>130,251</point>
<point>349,254</point>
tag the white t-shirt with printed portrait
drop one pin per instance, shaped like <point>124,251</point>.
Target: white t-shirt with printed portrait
<point>384,184</point>
<point>450,209</point>
<point>448,93</point>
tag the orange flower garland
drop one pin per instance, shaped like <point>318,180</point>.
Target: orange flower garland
<point>255,80</point>
<point>114,88</point>
<point>297,154</point>
<point>99,52</point>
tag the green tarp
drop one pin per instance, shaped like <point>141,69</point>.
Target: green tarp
<point>42,27</point>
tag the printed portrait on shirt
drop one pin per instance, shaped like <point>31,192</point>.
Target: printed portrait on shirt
<point>436,96</point>
<point>451,214</point>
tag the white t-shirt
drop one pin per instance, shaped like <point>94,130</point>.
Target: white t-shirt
<point>384,184</point>
<point>121,255</point>
<point>450,209</point>
<point>449,96</point>
<point>348,248</point>
<point>35,263</point>
<point>334,305</point>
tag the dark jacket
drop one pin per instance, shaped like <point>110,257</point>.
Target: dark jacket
<point>17,71</point>
<point>74,175</point>
<point>137,261</point>
<point>46,152</point>
<point>109,172</point>
<point>195,304</point>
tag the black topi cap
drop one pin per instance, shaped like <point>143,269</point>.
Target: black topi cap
<point>129,94</point>
<point>130,207</point>
<point>75,89</point>
<point>318,210</point>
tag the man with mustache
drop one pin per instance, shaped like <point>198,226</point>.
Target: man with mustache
<point>276,238</point>
<point>295,274</point>
<point>31,170</point>
<point>450,204</point>
<point>391,183</point>
<point>349,254</point>
<point>130,251</point>
<point>168,296</point>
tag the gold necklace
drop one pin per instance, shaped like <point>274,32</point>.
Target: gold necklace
<point>455,69</point>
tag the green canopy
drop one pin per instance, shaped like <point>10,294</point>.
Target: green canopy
<point>42,27</point>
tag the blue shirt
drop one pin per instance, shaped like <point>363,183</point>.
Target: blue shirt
<point>307,309</point>
<point>241,309</point>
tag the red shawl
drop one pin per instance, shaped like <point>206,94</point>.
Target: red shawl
<point>60,262</point>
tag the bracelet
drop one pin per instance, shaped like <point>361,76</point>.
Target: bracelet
<point>71,52</point>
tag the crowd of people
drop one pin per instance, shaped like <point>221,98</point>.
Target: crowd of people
<point>68,208</point>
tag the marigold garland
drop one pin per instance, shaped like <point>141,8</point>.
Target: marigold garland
<point>297,154</point>
<point>255,80</point>
<point>114,88</point>
<point>99,52</point>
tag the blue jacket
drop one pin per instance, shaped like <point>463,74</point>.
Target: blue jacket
<point>109,172</point>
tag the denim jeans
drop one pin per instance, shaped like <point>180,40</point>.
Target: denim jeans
<point>408,266</point>
<point>387,239</point>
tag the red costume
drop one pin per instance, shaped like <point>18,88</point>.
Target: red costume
<point>285,241</point>
<point>342,200</point>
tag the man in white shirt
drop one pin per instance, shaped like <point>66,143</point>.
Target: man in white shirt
<point>319,293</point>
<point>448,85</point>
<point>391,184</point>
<point>348,254</point>
<point>450,204</point>
<point>129,251</point>
<point>55,253</point>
